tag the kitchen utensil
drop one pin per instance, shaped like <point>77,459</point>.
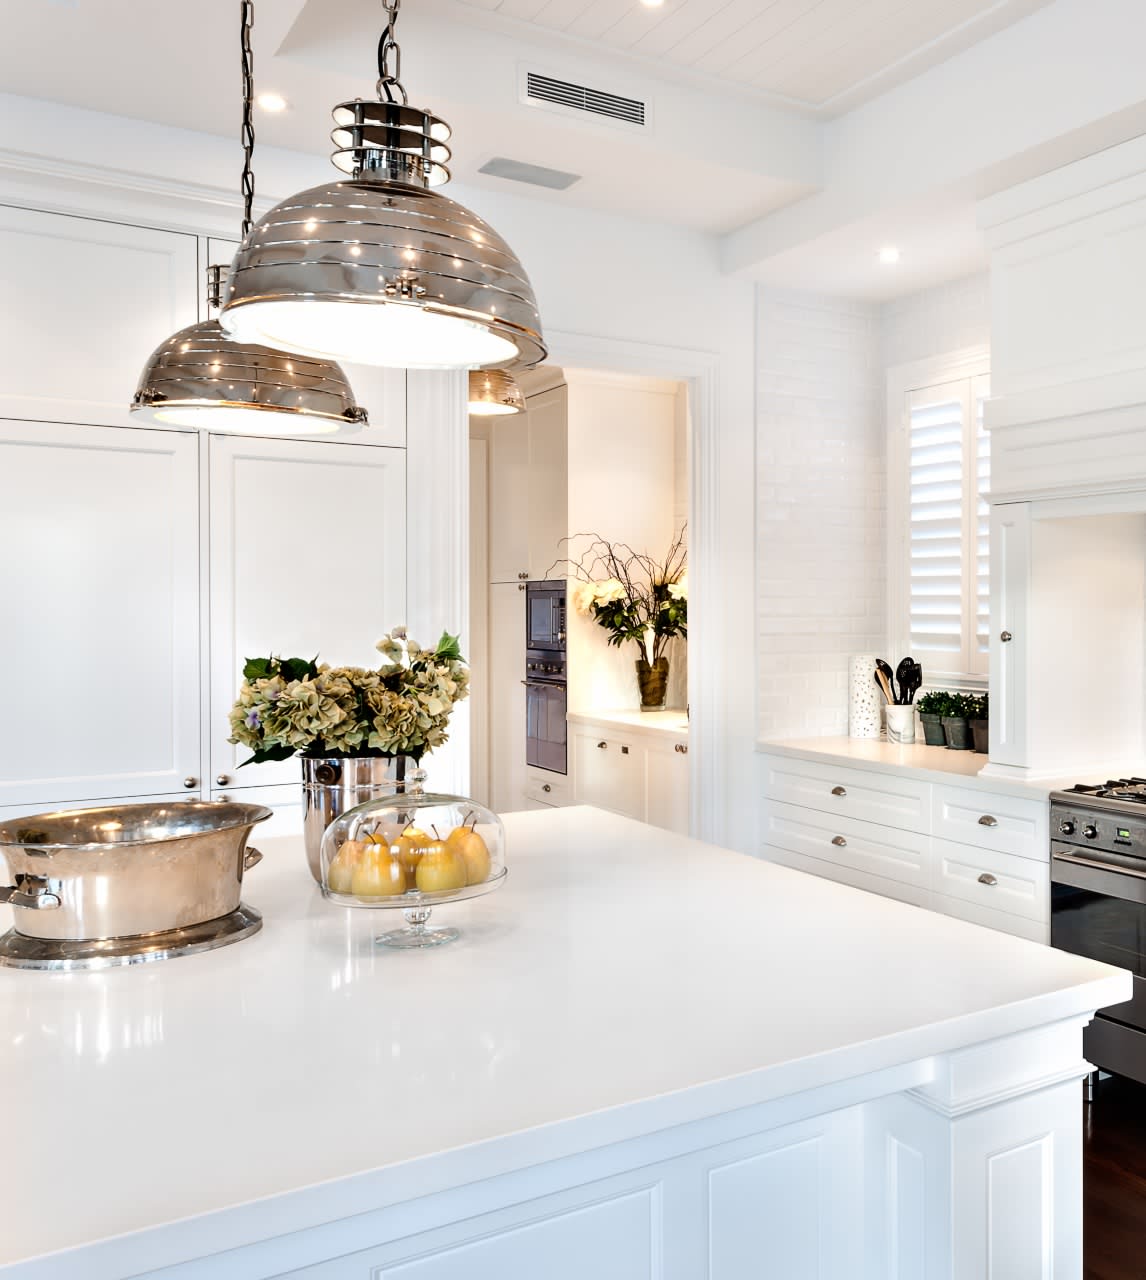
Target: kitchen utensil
<point>882,681</point>
<point>889,676</point>
<point>127,870</point>
<point>916,682</point>
<point>902,676</point>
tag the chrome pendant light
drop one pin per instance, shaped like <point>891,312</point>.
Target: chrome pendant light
<point>201,377</point>
<point>494,393</point>
<point>379,269</point>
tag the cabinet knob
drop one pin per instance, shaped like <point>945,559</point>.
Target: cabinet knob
<point>189,783</point>
<point>222,780</point>
<point>521,586</point>
<point>681,749</point>
<point>524,577</point>
<point>839,842</point>
<point>1006,637</point>
<point>224,799</point>
<point>987,878</point>
<point>547,788</point>
<point>839,791</point>
<point>987,821</point>
<point>602,746</point>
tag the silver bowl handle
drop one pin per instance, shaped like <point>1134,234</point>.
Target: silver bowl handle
<point>35,897</point>
<point>251,858</point>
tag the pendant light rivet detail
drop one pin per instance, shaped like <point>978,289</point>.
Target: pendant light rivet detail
<point>379,268</point>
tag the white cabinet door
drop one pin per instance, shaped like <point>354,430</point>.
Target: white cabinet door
<point>100,582</point>
<point>547,495</point>
<point>308,556</point>
<point>284,802</point>
<point>507,697</point>
<point>609,773</point>
<point>1010,578</point>
<point>667,786</point>
<point>85,304</point>
<point>509,499</point>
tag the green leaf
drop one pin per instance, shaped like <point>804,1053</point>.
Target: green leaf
<point>298,668</point>
<point>449,647</point>
<point>265,754</point>
<point>257,668</point>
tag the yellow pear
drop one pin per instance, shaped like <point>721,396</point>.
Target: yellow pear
<point>377,874</point>
<point>473,850</point>
<point>342,866</point>
<point>440,868</point>
<point>408,847</point>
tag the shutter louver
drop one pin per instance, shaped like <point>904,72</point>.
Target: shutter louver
<point>982,532</point>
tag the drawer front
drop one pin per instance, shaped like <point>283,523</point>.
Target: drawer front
<point>1003,921</point>
<point>1008,824</point>
<point>864,846</point>
<point>997,881</point>
<point>912,894</point>
<point>866,794</point>
<point>610,774</point>
<point>547,789</point>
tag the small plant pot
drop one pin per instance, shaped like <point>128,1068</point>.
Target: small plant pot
<point>900,724</point>
<point>958,733</point>
<point>980,735</point>
<point>933,733</point>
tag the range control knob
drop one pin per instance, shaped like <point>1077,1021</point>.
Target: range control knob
<point>1066,826</point>
<point>1090,831</point>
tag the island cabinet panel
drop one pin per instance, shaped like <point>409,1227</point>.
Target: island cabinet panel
<point>89,301</point>
<point>851,793</point>
<point>100,583</point>
<point>301,564</point>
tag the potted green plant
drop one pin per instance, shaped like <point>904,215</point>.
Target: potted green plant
<point>955,726</point>
<point>978,717</point>
<point>932,708</point>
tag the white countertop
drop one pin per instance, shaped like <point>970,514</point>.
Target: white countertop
<point>623,980</point>
<point>672,721</point>
<point>934,764</point>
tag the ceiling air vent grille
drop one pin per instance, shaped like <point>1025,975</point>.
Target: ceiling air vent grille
<point>579,97</point>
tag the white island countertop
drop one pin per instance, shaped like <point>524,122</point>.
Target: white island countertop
<point>623,981</point>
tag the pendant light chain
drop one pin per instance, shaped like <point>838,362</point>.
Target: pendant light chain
<point>247,18</point>
<point>390,57</point>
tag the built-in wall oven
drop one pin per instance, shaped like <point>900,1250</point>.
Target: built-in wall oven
<point>1098,906</point>
<point>545,678</point>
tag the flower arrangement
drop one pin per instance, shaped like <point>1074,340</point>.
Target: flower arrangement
<point>292,706</point>
<point>631,595</point>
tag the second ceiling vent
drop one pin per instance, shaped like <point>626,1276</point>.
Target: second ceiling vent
<point>581,98</point>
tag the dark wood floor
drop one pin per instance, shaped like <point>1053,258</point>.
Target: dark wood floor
<point>1114,1182</point>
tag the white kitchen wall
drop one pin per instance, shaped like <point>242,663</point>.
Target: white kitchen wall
<point>951,317</point>
<point>820,506</point>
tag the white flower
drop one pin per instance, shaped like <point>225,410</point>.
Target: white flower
<point>584,594</point>
<point>610,590</point>
<point>679,589</point>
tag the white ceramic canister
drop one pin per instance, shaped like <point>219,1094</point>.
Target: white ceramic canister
<point>900,724</point>
<point>864,697</point>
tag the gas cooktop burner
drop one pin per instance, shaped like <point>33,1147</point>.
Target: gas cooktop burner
<point>1130,789</point>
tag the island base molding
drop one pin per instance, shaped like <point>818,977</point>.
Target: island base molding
<point>964,1166</point>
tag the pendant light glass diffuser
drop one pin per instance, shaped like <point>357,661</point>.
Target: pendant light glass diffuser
<point>494,393</point>
<point>202,377</point>
<point>380,269</point>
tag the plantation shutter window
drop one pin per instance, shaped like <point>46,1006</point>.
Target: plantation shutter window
<point>946,526</point>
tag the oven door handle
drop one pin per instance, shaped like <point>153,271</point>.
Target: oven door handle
<point>1115,869</point>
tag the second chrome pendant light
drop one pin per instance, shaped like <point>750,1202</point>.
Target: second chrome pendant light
<point>202,377</point>
<point>379,269</point>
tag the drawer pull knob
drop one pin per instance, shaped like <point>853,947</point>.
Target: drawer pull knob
<point>987,821</point>
<point>547,788</point>
<point>1006,637</point>
<point>190,782</point>
<point>624,751</point>
<point>839,791</point>
<point>987,878</point>
<point>839,841</point>
<point>681,749</point>
<point>602,746</point>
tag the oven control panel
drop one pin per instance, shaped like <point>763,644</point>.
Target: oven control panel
<point>1114,832</point>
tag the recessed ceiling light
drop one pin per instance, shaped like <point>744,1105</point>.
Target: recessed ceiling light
<point>889,255</point>
<point>271,101</point>
<point>652,4</point>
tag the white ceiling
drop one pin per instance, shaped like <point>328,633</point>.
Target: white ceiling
<point>821,55</point>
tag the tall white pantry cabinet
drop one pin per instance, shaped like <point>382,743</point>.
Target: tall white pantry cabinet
<point>140,566</point>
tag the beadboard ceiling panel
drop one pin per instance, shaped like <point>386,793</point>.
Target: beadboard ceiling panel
<point>812,53</point>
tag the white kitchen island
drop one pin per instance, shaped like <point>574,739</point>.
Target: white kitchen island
<point>645,1059</point>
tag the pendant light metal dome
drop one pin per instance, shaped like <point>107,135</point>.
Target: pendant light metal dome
<point>201,377</point>
<point>494,393</point>
<point>380,269</point>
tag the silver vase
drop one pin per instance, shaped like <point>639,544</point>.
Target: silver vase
<point>330,786</point>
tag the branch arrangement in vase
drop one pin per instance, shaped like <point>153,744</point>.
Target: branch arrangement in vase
<point>634,597</point>
<point>296,706</point>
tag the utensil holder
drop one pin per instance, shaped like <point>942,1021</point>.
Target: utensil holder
<point>900,724</point>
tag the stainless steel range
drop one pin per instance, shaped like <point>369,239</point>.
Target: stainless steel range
<point>1098,905</point>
